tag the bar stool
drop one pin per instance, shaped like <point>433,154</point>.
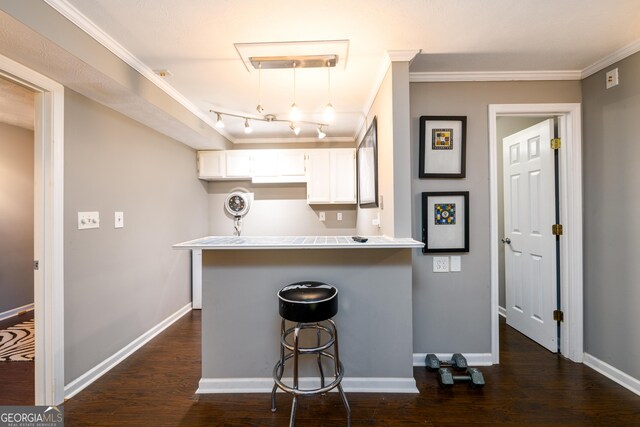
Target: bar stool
<point>308,304</point>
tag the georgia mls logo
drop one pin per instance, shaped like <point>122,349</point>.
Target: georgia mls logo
<point>31,416</point>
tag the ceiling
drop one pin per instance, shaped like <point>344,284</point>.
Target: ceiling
<point>16,105</point>
<point>195,40</point>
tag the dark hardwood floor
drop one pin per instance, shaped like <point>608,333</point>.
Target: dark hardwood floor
<point>156,385</point>
<point>16,378</point>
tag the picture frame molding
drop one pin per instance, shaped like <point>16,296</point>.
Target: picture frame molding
<point>424,150</point>
<point>425,225</point>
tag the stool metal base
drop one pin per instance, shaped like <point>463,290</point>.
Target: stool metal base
<point>319,351</point>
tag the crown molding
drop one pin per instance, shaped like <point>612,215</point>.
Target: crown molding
<point>492,76</point>
<point>85,24</point>
<point>611,59</point>
<point>405,55</point>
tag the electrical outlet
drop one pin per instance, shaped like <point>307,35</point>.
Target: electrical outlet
<point>612,78</point>
<point>339,216</point>
<point>440,264</point>
<point>322,216</point>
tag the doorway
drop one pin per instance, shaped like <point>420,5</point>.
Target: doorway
<point>48,229</point>
<point>17,242</point>
<point>570,205</point>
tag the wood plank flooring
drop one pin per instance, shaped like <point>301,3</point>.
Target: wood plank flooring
<point>156,385</point>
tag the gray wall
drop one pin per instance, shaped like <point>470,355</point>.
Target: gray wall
<point>16,217</point>
<point>121,282</point>
<point>611,138</point>
<point>452,311</point>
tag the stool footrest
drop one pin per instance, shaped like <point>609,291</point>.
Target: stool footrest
<point>304,392</point>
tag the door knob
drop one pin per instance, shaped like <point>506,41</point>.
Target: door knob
<point>507,241</point>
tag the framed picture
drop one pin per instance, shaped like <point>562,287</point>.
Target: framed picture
<point>442,146</point>
<point>367,164</point>
<point>445,221</point>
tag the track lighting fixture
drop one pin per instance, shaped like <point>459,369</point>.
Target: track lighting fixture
<point>219,122</point>
<point>295,126</point>
<point>321,134</point>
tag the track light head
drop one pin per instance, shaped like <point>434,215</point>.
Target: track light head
<point>219,122</point>
<point>247,127</point>
<point>321,134</point>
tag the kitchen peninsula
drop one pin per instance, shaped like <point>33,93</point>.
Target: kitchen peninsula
<point>241,325</point>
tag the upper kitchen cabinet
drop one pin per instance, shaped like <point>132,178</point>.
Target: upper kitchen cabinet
<point>279,166</point>
<point>331,176</point>
<point>211,165</point>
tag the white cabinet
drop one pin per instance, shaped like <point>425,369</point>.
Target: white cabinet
<point>331,176</point>
<point>211,165</point>
<point>278,166</point>
<point>239,164</point>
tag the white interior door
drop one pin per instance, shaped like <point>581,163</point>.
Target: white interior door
<point>530,246</point>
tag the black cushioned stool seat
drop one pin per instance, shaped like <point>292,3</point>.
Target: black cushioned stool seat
<point>307,304</point>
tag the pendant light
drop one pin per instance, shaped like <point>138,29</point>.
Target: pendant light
<point>329,112</point>
<point>294,113</point>
<point>260,108</point>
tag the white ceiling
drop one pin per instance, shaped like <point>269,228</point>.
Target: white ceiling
<point>195,39</point>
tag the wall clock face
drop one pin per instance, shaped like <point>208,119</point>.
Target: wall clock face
<point>237,203</point>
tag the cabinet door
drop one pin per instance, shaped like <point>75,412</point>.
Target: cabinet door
<point>319,176</point>
<point>291,162</point>
<point>211,164</point>
<point>265,163</point>
<point>343,175</point>
<point>238,164</point>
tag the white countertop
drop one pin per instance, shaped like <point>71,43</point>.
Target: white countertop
<point>296,242</point>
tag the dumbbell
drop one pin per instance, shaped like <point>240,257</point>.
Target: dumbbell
<point>473,377</point>
<point>457,361</point>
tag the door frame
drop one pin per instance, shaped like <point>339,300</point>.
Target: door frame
<point>570,174</point>
<point>48,229</point>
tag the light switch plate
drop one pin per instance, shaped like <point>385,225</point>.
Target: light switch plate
<point>118,220</point>
<point>88,220</point>
<point>440,264</point>
<point>456,263</point>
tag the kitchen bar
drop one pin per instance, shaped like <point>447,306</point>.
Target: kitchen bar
<point>240,321</point>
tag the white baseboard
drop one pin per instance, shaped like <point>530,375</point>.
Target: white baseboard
<point>77,385</point>
<point>502,312</point>
<point>15,311</point>
<point>473,359</point>
<point>264,385</point>
<point>625,380</point>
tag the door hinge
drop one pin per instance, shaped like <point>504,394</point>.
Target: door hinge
<point>556,229</point>
<point>556,143</point>
<point>36,265</point>
<point>558,316</point>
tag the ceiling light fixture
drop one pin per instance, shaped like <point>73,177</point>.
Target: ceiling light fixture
<point>219,122</point>
<point>329,112</point>
<point>294,114</point>
<point>321,134</point>
<point>294,126</point>
<point>260,108</point>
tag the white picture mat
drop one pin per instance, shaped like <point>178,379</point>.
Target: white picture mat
<point>366,177</point>
<point>443,161</point>
<point>445,236</point>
